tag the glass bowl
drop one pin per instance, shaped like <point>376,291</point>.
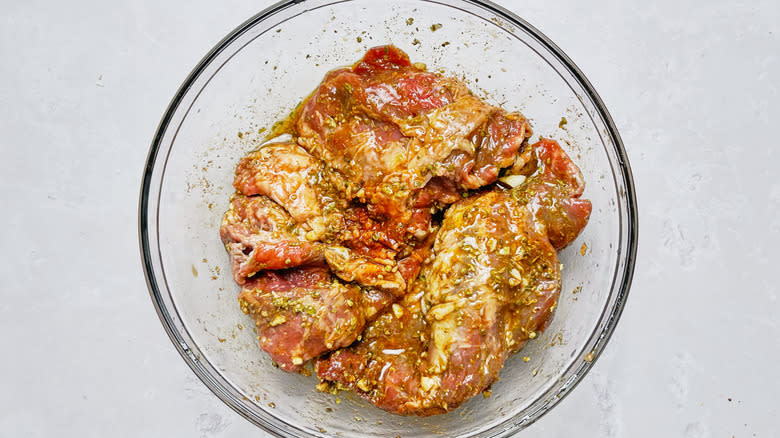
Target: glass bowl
<point>253,78</point>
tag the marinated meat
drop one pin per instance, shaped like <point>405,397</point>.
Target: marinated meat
<point>553,193</point>
<point>259,234</point>
<point>301,313</point>
<point>295,180</point>
<point>328,228</point>
<point>286,275</point>
<point>388,128</point>
<point>286,284</point>
<point>492,284</point>
<point>337,240</point>
<point>385,366</point>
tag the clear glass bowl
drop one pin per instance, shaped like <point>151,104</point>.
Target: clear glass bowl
<point>254,77</point>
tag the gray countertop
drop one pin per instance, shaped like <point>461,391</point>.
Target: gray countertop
<point>693,89</point>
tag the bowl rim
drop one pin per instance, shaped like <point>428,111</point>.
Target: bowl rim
<point>551,396</point>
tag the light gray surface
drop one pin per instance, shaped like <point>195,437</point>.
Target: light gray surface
<point>692,88</point>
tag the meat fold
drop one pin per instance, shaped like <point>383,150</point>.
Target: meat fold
<point>258,234</point>
<point>553,192</point>
<point>295,180</point>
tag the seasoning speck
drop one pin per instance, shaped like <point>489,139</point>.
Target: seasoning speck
<point>359,39</point>
<point>409,21</point>
<point>563,122</point>
<point>435,27</point>
<point>194,271</point>
<point>583,249</point>
<point>272,405</point>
